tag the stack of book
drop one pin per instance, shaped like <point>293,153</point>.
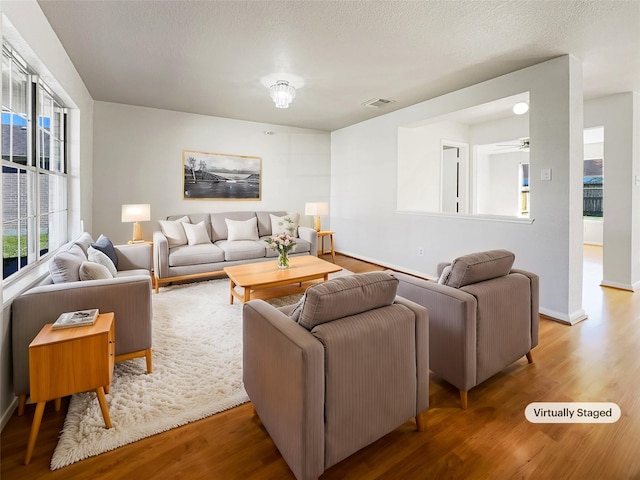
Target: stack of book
<point>80,318</point>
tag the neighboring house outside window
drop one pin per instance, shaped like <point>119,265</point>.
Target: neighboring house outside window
<point>592,188</point>
<point>34,179</point>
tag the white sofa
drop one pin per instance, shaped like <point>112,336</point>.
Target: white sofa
<point>194,254</point>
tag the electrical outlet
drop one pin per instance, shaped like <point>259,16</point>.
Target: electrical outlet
<point>420,252</point>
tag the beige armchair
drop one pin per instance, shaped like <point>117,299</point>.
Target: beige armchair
<point>483,316</point>
<point>352,368</point>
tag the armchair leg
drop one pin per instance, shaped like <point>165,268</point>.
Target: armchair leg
<point>529,357</point>
<point>421,421</point>
<point>22,401</point>
<point>463,399</point>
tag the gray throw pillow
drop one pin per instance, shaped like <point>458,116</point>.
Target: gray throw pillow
<point>105,246</point>
<point>65,265</point>
<point>94,271</point>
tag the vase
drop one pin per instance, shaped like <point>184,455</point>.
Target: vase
<point>283,260</point>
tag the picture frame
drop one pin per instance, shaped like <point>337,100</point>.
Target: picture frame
<point>221,176</point>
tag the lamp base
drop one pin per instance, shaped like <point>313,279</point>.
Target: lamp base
<point>137,233</point>
<point>316,223</point>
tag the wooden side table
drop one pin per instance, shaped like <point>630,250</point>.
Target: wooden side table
<point>67,361</point>
<point>321,235</point>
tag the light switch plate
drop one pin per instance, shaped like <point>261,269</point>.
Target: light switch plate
<point>545,174</point>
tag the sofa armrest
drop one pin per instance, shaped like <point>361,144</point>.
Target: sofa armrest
<point>283,374</point>
<point>311,236</point>
<point>128,297</point>
<point>535,303</point>
<point>160,255</point>
<point>134,257</point>
<point>452,327</point>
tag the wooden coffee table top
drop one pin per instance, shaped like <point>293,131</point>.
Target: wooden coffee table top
<point>266,275</point>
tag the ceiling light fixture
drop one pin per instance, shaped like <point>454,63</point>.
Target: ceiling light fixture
<point>282,93</point>
<point>521,108</point>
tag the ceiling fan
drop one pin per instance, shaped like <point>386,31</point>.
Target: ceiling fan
<point>522,146</point>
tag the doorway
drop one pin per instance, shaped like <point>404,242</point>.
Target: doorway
<point>454,178</point>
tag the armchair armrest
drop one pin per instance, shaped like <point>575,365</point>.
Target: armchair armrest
<point>452,327</point>
<point>283,373</point>
<point>134,257</point>
<point>535,303</point>
<point>311,236</point>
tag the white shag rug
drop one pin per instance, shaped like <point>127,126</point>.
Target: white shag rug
<point>197,372</point>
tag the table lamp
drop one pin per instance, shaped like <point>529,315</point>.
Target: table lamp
<point>136,213</point>
<point>316,209</point>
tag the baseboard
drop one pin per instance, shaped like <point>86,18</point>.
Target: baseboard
<point>621,286</point>
<point>390,266</point>
<point>567,319</point>
<point>8,413</point>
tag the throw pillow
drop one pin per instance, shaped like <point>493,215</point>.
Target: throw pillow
<point>94,271</point>
<point>196,234</point>
<point>242,229</point>
<point>444,276</point>
<point>97,256</point>
<point>174,231</point>
<point>106,246</point>
<point>65,266</point>
<point>281,225</point>
<point>297,310</point>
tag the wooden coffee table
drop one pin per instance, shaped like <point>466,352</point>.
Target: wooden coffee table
<point>265,280</point>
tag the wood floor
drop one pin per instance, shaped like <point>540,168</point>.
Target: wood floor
<point>595,360</point>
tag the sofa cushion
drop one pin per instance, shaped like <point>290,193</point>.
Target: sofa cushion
<point>97,256</point>
<point>195,255</point>
<point>105,245</point>
<point>94,271</point>
<point>281,224</point>
<point>65,265</point>
<point>478,267</point>
<point>346,296</point>
<point>84,241</point>
<point>174,231</point>
<point>219,225</point>
<point>242,249</point>
<point>242,229</point>
<point>196,233</point>
<point>264,222</point>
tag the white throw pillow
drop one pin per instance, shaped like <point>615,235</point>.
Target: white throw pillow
<point>94,271</point>
<point>242,229</point>
<point>196,234</point>
<point>174,231</point>
<point>444,276</point>
<point>279,225</point>
<point>97,256</point>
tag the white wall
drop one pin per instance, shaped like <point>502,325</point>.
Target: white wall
<point>27,29</point>
<point>364,189</point>
<point>620,116</point>
<point>138,159</point>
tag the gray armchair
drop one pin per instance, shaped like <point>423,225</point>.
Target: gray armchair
<point>333,374</point>
<point>483,316</point>
<point>128,295</point>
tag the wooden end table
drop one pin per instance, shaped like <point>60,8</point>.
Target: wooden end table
<point>321,251</point>
<point>67,361</point>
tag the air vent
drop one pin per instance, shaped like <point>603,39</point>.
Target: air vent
<point>377,102</point>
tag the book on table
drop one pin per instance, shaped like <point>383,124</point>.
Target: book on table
<point>79,318</point>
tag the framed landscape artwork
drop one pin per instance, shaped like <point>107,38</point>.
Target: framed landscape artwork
<point>220,176</point>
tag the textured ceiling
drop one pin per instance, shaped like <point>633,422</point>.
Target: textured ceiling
<point>218,57</point>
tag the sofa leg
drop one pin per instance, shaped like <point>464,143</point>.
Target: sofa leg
<point>529,357</point>
<point>463,399</point>
<point>421,421</point>
<point>22,401</point>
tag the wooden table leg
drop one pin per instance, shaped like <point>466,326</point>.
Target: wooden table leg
<point>247,294</point>
<point>232,287</point>
<point>333,251</point>
<point>57,403</point>
<point>35,427</point>
<point>103,406</point>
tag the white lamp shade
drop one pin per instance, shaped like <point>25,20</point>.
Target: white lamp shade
<point>140,212</point>
<point>316,208</point>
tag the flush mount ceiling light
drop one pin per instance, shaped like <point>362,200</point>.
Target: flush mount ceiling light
<point>521,108</point>
<point>282,93</point>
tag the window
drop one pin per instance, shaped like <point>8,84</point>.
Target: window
<point>34,180</point>
<point>592,188</point>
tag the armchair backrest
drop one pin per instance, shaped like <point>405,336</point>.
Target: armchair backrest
<point>478,267</point>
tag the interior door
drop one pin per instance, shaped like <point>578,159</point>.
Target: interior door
<point>450,202</point>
